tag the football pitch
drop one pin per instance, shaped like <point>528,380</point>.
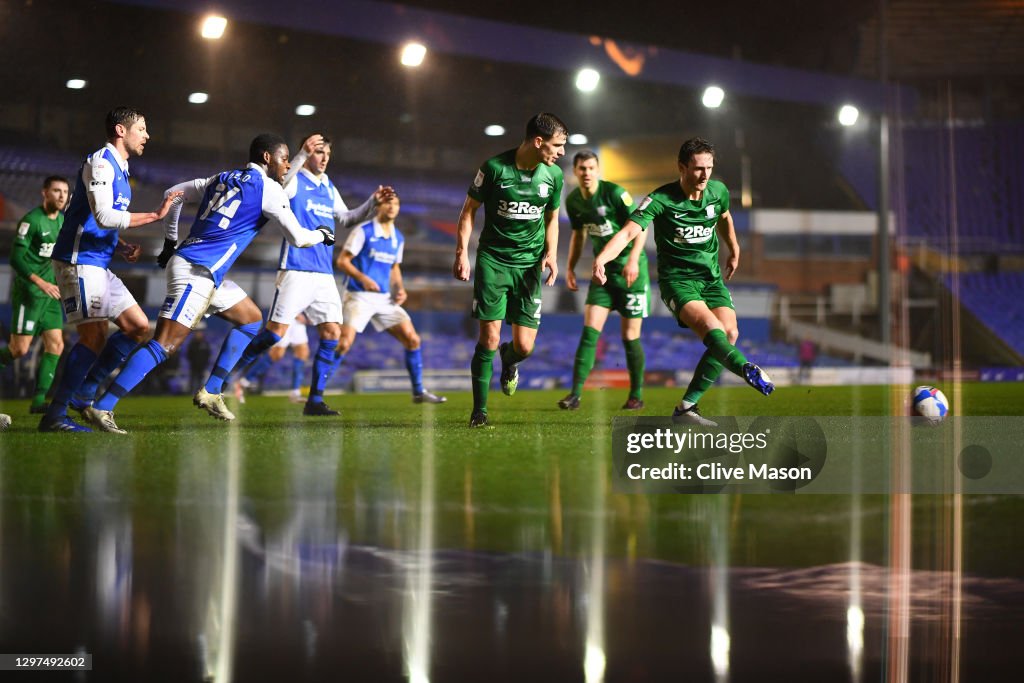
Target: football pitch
<point>512,539</point>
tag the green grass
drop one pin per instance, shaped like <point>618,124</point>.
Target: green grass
<point>539,481</point>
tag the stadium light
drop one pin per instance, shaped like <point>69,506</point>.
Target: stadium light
<point>213,27</point>
<point>198,98</point>
<point>587,79</point>
<point>413,54</point>
<point>76,83</point>
<point>577,139</point>
<point>848,115</point>
<point>305,110</point>
<point>713,97</point>
<point>494,130</point>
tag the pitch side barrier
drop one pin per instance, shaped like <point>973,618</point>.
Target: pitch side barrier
<point>828,455</point>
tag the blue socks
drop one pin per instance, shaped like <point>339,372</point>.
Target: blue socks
<point>260,343</point>
<point>234,345</point>
<point>118,346</point>
<point>259,368</point>
<point>298,370</point>
<point>80,359</point>
<point>323,367</point>
<point>414,364</point>
<point>140,362</point>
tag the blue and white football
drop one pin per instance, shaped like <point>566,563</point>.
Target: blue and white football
<point>931,403</point>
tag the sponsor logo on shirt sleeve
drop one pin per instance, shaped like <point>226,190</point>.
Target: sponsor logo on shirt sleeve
<point>23,229</point>
<point>645,203</point>
<point>627,198</point>
<point>478,181</point>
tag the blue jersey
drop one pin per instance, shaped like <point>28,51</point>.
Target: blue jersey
<point>374,254</point>
<point>83,240</point>
<point>315,203</point>
<point>229,217</point>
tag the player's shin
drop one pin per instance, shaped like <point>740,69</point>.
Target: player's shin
<point>324,365</point>
<point>260,343</point>
<point>635,362</point>
<point>704,376</point>
<point>80,360</point>
<point>414,365</point>
<point>724,352</point>
<point>238,339</point>
<point>140,363</point>
<point>481,369</point>
<point>44,378</point>
<point>114,353</point>
<point>586,353</point>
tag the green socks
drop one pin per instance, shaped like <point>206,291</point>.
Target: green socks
<point>481,369</point>
<point>47,368</point>
<point>586,352</point>
<point>708,370</point>
<point>724,352</point>
<point>635,364</point>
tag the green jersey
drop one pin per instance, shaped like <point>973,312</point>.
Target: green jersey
<point>601,216</point>
<point>33,244</point>
<point>684,230</point>
<point>515,203</point>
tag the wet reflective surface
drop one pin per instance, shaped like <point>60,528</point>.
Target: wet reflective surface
<point>232,556</point>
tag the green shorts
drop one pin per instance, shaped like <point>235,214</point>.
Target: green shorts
<point>678,293</point>
<point>631,301</point>
<point>505,293</point>
<point>33,314</point>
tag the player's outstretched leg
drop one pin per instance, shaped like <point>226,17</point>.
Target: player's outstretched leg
<point>734,360</point>
<point>481,370</point>
<point>635,362</point>
<point>586,354</point>
<point>238,340</point>
<point>80,360</point>
<point>324,364</point>
<point>140,362</point>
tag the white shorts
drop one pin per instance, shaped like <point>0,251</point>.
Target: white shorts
<point>372,307</point>
<point>299,291</point>
<point>90,293</point>
<point>225,296</point>
<point>295,336</point>
<point>190,292</point>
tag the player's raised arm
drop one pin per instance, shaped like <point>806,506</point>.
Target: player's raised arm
<point>461,267</point>
<point>309,146</point>
<point>614,247</point>
<point>727,234</point>
<point>550,260</point>
<point>98,178</point>
<point>347,217</point>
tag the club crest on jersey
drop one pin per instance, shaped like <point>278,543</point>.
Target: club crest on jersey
<point>543,190</point>
<point>711,210</point>
<point>602,211</point>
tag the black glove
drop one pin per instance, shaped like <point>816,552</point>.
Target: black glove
<point>328,235</point>
<point>167,253</point>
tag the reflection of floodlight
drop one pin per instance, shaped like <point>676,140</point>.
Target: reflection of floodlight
<point>198,98</point>
<point>413,54</point>
<point>713,96</point>
<point>577,139</point>
<point>76,83</point>
<point>305,110</point>
<point>848,115</point>
<point>494,130</point>
<point>587,79</point>
<point>213,27</point>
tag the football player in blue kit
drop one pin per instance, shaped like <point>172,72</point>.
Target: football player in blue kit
<point>233,207</point>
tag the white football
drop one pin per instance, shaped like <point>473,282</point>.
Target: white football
<point>5,422</point>
<point>931,403</point>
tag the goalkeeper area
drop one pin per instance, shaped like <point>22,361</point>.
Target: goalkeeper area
<point>394,543</point>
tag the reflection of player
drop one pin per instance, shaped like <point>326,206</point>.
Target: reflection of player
<point>375,292</point>
<point>233,207</point>
<point>687,216</point>
<point>295,339</point>
<point>35,298</point>
<point>600,208</point>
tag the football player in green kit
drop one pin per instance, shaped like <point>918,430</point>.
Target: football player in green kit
<point>689,215</point>
<point>600,208</point>
<point>35,299</point>
<point>520,191</point>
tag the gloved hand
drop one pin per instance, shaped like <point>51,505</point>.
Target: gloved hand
<point>167,253</point>
<point>328,235</point>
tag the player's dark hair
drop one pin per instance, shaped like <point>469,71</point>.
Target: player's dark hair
<point>695,146</point>
<point>51,179</point>
<point>264,142</point>
<point>126,116</point>
<point>545,125</point>
<point>584,155</point>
